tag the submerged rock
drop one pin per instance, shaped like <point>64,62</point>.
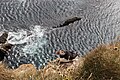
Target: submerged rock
<point>69,21</point>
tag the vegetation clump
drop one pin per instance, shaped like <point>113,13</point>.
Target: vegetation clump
<point>102,63</point>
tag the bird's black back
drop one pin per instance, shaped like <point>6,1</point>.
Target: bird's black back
<point>69,55</point>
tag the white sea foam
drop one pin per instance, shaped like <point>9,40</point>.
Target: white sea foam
<point>34,39</point>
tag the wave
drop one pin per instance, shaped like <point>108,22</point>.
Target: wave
<point>33,39</point>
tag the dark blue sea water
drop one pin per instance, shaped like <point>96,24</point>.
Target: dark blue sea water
<point>30,22</point>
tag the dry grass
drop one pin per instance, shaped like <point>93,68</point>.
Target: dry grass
<point>102,63</point>
<point>24,72</point>
<point>62,71</point>
<point>5,74</point>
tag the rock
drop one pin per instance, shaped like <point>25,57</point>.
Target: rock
<point>3,54</point>
<point>7,46</point>
<point>3,38</point>
<point>4,48</point>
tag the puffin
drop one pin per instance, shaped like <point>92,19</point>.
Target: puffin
<point>68,55</point>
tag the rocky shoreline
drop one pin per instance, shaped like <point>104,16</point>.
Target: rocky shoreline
<point>102,63</point>
<point>4,46</point>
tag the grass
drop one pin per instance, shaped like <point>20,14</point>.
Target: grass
<point>5,74</point>
<point>102,63</point>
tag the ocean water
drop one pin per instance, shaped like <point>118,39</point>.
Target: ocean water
<point>27,46</point>
<point>30,22</point>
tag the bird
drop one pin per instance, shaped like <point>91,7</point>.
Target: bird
<point>68,55</point>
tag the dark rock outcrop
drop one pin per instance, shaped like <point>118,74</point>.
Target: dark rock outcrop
<point>3,38</point>
<point>4,47</point>
<point>7,46</point>
<point>3,54</point>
